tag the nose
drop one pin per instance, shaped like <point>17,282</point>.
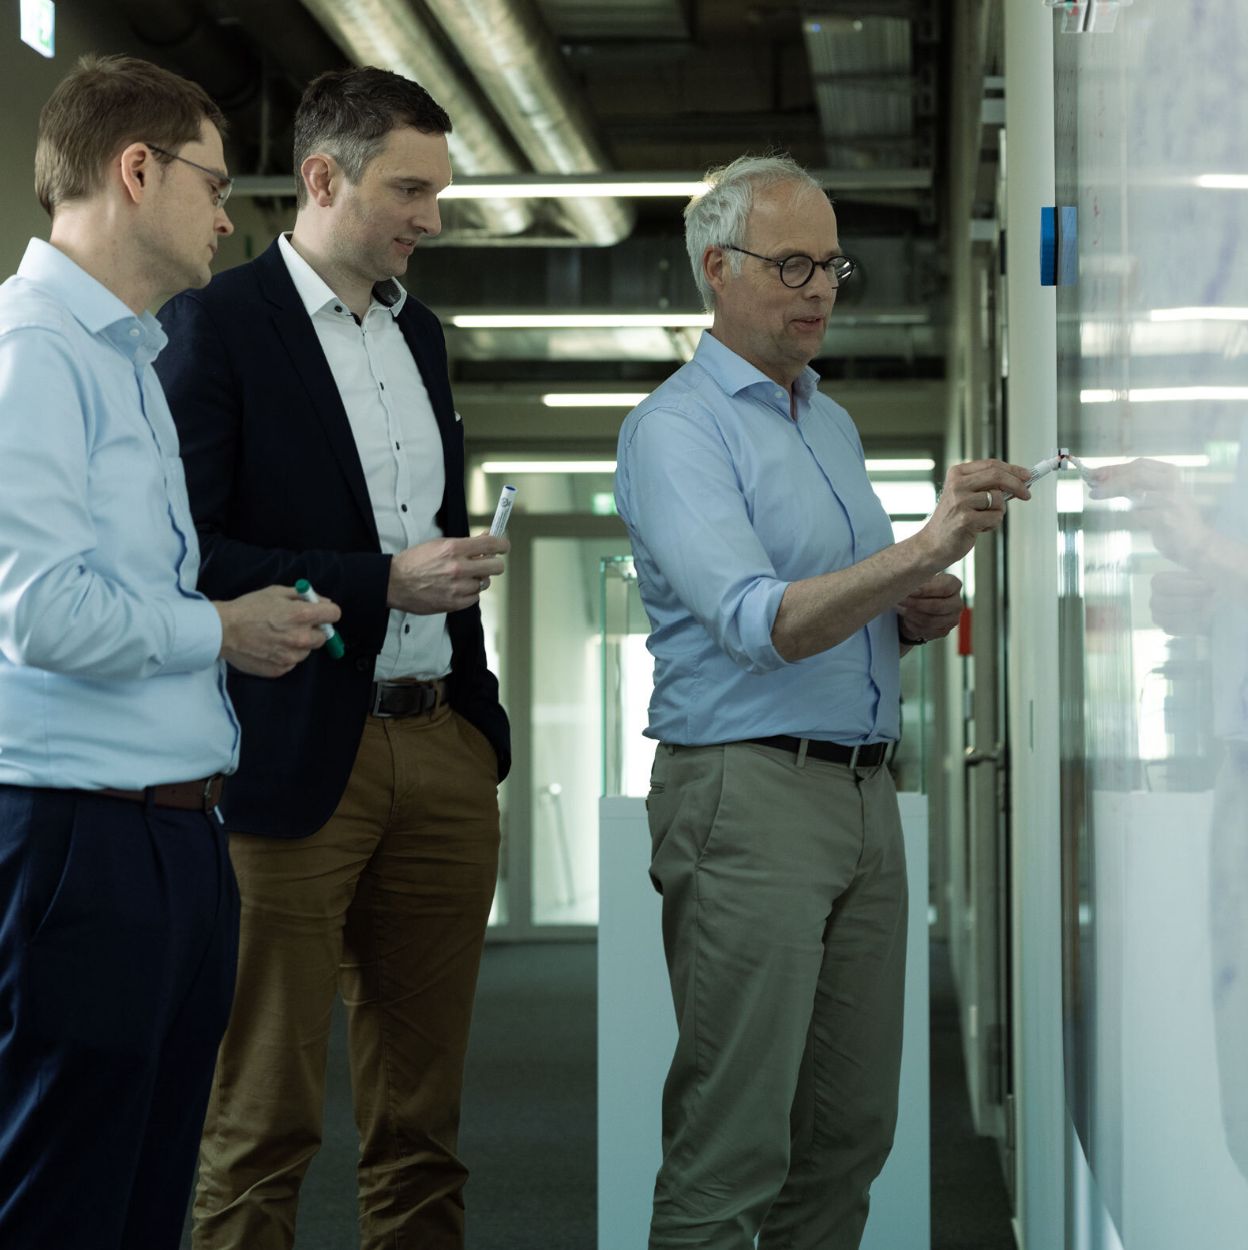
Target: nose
<point>223,225</point>
<point>821,285</point>
<point>429,220</point>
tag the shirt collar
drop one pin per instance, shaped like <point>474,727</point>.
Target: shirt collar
<point>316,294</point>
<point>99,310</point>
<point>735,374</point>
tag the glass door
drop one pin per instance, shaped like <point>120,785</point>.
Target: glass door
<point>547,639</point>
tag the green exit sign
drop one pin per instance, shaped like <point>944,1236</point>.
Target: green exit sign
<point>39,26</point>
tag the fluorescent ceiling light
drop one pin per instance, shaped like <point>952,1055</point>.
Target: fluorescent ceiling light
<point>502,189</point>
<point>1167,394</point>
<point>900,466</point>
<point>594,399</point>
<point>579,321</point>
<point>1223,182</point>
<point>1198,314</point>
<point>514,467</point>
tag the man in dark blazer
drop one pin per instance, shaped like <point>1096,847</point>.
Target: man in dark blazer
<point>320,442</point>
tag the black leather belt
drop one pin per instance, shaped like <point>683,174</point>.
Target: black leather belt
<point>395,699</point>
<point>866,755</point>
<point>186,796</point>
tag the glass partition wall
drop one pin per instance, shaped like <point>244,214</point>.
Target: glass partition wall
<point>1152,199</point>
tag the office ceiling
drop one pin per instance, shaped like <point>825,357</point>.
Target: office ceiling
<point>599,87</point>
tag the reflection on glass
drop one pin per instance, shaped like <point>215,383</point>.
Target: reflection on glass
<point>1153,617</point>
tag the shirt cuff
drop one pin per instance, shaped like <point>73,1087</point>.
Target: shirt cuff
<point>196,640</point>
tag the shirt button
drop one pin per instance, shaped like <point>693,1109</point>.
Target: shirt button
<point>134,333</point>
<point>407,629</point>
<point>779,394</point>
<point>402,507</point>
<point>337,308</point>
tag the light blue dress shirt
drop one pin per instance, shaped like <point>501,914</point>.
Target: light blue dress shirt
<point>108,656</point>
<point>728,500</point>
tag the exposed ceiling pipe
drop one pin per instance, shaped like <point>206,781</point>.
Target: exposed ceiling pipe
<point>218,60</point>
<point>388,33</point>
<point>512,55</point>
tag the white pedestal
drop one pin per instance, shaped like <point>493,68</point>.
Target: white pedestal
<point>637,1033</point>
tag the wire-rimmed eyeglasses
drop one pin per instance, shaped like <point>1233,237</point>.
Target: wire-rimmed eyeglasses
<point>798,269</point>
<point>223,184</point>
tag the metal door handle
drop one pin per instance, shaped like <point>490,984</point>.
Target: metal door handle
<point>973,756</point>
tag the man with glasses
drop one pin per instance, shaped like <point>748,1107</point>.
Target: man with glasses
<point>779,607</point>
<point>321,442</point>
<point>118,907</point>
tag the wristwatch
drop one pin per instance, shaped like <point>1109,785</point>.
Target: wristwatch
<point>909,642</point>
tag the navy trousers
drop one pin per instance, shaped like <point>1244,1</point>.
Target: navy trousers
<point>118,946</point>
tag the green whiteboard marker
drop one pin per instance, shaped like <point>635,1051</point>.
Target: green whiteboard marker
<point>333,640</point>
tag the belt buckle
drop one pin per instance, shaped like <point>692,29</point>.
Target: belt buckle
<point>853,755</point>
<point>375,709</point>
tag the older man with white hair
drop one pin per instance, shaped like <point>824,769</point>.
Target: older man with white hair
<point>780,607</point>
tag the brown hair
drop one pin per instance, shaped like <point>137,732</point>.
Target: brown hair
<point>101,106</point>
<point>348,113</point>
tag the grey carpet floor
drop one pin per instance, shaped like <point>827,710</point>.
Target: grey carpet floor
<point>529,1125</point>
<point>970,1209</point>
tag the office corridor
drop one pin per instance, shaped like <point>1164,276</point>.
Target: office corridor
<point>530,1124</point>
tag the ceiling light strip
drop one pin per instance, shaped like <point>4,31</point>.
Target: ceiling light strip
<point>1167,395</point>
<point>514,468</point>
<point>580,321</point>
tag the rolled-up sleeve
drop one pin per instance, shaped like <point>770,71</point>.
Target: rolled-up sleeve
<point>681,496</point>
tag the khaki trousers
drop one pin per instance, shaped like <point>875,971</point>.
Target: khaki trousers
<point>784,922</point>
<point>387,904</point>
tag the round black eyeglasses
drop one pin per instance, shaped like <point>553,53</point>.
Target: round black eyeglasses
<point>797,270</point>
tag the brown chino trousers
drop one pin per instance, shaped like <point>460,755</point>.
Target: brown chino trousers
<point>386,904</point>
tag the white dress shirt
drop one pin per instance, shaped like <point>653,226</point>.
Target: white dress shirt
<point>397,437</point>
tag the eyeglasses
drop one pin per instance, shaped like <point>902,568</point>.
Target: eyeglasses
<point>798,270</point>
<point>223,183</point>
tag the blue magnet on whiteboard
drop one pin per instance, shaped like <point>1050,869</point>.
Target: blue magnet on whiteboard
<point>1067,246</point>
<point>1048,247</point>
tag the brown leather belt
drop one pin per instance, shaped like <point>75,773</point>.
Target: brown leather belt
<point>395,699</point>
<point>866,755</point>
<point>186,796</point>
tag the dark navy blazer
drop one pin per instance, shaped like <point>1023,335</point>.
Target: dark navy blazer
<point>278,493</point>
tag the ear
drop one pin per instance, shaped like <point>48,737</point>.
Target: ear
<point>714,264</point>
<point>318,173</point>
<point>137,167</point>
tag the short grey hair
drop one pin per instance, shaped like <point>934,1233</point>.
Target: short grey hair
<point>718,217</point>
